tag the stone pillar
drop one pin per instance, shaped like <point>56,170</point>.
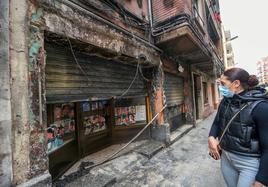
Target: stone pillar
<point>159,130</point>
<point>5,98</point>
<point>30,161</point>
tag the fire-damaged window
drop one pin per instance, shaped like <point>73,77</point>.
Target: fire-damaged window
<point>205,92</point>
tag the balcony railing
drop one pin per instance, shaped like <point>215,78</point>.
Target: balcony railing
<point>212,12</point>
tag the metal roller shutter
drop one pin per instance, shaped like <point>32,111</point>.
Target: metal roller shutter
<point>105,78</point>
<point>173,89</point>
<point>174,97</point>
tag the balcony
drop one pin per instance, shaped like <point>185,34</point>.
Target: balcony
<point>214,27</point>
<point>180,31</point>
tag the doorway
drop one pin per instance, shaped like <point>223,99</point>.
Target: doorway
<point>197,96</point>
<point>213,96</point>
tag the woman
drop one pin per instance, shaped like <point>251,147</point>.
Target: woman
<point>244,146</point>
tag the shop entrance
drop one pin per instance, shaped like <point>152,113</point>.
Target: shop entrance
<point>98,115</point>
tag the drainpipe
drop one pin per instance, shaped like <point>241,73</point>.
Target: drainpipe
<point>150,16</point>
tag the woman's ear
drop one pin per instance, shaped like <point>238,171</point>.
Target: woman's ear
<point>237,83</point>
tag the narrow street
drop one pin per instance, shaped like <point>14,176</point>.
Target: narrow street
<point>185,163</point>
<point>80,78</point>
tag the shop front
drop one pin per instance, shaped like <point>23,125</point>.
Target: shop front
<point>89,109</point>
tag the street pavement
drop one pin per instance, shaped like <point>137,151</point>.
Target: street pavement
<point>185,163</point>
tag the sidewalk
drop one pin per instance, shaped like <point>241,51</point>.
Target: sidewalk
<point>184,163</point>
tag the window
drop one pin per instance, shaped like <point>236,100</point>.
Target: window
<point>205,92</point>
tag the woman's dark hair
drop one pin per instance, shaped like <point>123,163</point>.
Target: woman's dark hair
<point>247,81</point>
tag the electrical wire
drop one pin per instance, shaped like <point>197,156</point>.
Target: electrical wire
<point>125,14</point>
<point>112,156</point>
<point>75,59</point>
<point>141,73</point>
<point>81,69</point>
<point>132,140</point>
<point>85,10</point>
<point>124,93</point>
<point>132,82</point>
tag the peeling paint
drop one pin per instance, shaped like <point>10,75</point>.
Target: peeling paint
<point>37,15</point>
<point>81,27</point>
<point>31,115</point>
<point>34,49</point>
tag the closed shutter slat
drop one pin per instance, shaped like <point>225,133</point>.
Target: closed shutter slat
<point>105,78</point>
<point>173,89</point>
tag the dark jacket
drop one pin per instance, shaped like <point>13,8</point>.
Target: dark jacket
<point>242,136</point>
<point>249,137</point>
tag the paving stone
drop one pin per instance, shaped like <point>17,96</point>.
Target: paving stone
<point>150,148</point>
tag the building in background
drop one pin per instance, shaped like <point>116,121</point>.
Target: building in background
<point>262,70</point>
<point>228,49</point>
<point>80,75</point>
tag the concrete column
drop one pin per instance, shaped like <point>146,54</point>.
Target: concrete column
<point>30,161</point>
<point>160,130</point>
<point>5,98</point>
<point>188,95</point>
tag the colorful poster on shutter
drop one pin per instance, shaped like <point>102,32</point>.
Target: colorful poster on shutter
<point>62,128</point>
<point>94,123</point>
<point>125,116</point>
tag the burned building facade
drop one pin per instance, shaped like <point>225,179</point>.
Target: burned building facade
<point>80,75</point>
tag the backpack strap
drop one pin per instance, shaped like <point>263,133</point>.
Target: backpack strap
<point>253,104</point>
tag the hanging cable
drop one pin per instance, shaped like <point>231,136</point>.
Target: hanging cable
<point>81,69</point>
<point>75,175</point>
<point>141,73</point>
<point>132,140</point>
<point>132,82</point>
<point>75,59</point>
